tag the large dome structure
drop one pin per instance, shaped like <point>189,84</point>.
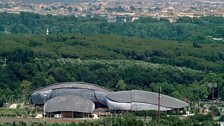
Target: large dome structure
<point>137,100</point>
<point>92,92</point>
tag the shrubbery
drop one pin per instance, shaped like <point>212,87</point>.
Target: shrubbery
<point>129,120</point>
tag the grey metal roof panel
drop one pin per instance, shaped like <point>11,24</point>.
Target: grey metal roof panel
<point>146,97</point>
<point>69,103</point>
<point>74,85</point>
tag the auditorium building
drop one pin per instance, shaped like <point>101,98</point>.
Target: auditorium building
<point>78,99</point>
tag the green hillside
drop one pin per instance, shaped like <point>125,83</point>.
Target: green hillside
<point>181,69</point>
<point>205,57</point>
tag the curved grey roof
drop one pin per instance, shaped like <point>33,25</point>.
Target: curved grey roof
<point>146,97</point>
<point>69,103</point>
<point>73,85</point>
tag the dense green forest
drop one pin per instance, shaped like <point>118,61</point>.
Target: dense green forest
<point>183,70</point>
<point>181,58</point>
<point>202,29</point>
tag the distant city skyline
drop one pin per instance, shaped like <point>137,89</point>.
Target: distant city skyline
<point>126,10</point>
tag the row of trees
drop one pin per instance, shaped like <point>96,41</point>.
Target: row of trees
<point>196,29</point>
<point>205,57</point>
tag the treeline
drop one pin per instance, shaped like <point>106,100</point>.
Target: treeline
<point>204,57</point>
<point>16,77</point>
<point>29,62</point>
<point>185,29</point>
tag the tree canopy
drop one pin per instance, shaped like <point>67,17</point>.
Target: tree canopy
<point>199,30</point>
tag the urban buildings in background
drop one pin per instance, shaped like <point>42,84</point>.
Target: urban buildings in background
<point>112,10</point>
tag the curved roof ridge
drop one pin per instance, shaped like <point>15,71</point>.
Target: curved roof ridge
<point>156,93</point>
<point>73,83</point>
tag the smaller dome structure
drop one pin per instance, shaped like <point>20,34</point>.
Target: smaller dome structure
<point>69,106</point>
